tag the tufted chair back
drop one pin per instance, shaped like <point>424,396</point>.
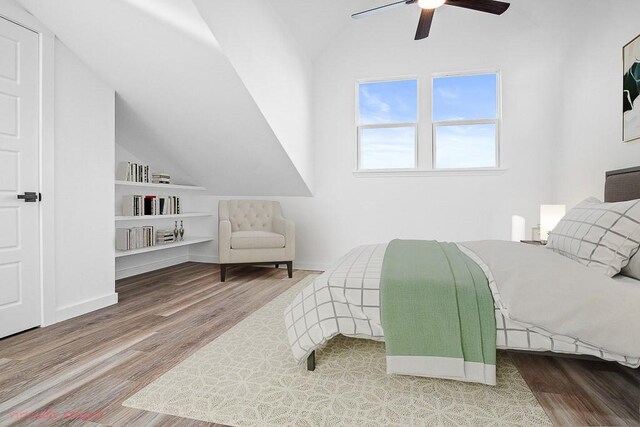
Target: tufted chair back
<point>251,215</point>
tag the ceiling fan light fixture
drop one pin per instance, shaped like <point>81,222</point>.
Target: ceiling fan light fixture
<point>431,4</point>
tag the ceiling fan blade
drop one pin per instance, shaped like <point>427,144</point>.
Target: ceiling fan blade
<point>424,25</point>
<point>489,6</point>
<point>378,9</point>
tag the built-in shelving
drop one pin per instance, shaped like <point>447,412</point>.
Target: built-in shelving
<point>160,217</point>
<point>160,186</point>
<point>185,242</point>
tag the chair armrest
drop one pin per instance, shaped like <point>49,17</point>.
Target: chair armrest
<point>224,241</point>
<point>287,228</point>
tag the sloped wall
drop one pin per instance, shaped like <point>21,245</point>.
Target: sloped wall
<point>273,67</point>
<point>181,97</point>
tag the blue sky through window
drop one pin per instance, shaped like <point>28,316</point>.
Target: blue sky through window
<point>466,146</point>
<point>388,102</point>
<point>388,148</point>
<point>465,97</point>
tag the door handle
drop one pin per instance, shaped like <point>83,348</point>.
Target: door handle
<point>29,197</point>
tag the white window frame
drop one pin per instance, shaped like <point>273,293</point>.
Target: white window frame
<point>360,127</point>
<point>497,121</point>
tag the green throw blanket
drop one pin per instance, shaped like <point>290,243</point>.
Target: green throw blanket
<point>437,313</point>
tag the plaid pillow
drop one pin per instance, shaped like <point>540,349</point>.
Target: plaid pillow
<point>599,235</point>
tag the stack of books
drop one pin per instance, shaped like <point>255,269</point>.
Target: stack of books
<point>165,236</point>
<point>133,172</point>
<point>160,178</point>
<point>134,238</point>
<point>137,205</point>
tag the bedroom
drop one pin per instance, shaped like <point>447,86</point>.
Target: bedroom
<point>259,100</point>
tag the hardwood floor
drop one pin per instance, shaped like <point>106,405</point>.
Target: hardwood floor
<point>87,366</point>
<point>582,392</point>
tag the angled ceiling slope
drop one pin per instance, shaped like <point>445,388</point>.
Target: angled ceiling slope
<point>273,67</point>
<point>180,102</point>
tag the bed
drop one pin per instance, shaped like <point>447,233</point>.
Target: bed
<point>346,299</point>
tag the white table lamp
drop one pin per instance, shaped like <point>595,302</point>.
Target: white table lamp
<point>550,216</point>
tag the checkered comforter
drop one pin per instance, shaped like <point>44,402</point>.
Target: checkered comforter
<point>346,300</point>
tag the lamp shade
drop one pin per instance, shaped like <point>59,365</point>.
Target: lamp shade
<point>550,216</point>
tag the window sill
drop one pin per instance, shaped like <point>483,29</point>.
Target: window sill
<point>433,172</point>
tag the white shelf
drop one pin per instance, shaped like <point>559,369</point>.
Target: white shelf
<point>188,241</point>
<point>162,186</point>
<point>160,217</point>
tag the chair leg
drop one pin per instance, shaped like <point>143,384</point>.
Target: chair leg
<point>223,272</point>
<point>290,269</point>
<point>311,361</point>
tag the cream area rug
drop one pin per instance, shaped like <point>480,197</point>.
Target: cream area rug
<point>247,377</point>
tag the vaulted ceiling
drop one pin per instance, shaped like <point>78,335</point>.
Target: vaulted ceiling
<point>181,104</point>
<point>220,93</point>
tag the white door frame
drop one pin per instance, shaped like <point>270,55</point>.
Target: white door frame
<point>16,14</point>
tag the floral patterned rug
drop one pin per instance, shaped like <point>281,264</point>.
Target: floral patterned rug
<point>247,377</point>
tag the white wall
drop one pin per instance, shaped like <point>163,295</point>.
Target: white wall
<point>346,210</point>
<point>84,164</point>
<point>590,139</point>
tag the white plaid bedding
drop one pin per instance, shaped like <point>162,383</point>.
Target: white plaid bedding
<point>345,300</point>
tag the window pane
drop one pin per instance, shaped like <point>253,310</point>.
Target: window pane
<point>388,102</point>
<point>465,97</point>
<point>470,146</point>
<point>388,148</point>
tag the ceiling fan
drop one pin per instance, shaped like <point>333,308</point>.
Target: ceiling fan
<point>429,7</point>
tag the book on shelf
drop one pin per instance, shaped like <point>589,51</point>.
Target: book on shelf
<point>165,236</point>
<point>134,238</point>
<point>139,205</point>
<point>160,178</point>
<point>133,172</point>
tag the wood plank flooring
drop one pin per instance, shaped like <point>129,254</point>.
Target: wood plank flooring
<point>87,366</point>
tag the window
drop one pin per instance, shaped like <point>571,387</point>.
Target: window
<point>466,121</point>
<point>387,125</point>
<point>465,125</point>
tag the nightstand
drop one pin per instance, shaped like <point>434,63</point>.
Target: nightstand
<point>532,242</point>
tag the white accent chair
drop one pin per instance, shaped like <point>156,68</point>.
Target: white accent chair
<point>254,232</point>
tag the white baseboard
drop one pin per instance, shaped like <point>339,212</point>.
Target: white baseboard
<point>75,310</point>
<point>314,266</point>
<point>144,268</point>
<point>207,259</point>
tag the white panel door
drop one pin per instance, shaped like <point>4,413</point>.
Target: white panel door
<point>19,167</point>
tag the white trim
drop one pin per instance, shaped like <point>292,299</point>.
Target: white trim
<point>46,52</point>
<point>84,307</point>
<point>431,172</point>
<point>207,259</point>
<point>47,179</point>
<point>159,186</point>
<point>161,247</point>
<point>145,268</point>
<point>312,266</point>
<point>442,367</point>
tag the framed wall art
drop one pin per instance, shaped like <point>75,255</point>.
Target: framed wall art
<point>631,91</point>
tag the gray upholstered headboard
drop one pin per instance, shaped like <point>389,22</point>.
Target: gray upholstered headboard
<point>622,185</point>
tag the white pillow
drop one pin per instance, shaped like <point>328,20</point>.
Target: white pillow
<point>599,235</point>
<point>633,268</point>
